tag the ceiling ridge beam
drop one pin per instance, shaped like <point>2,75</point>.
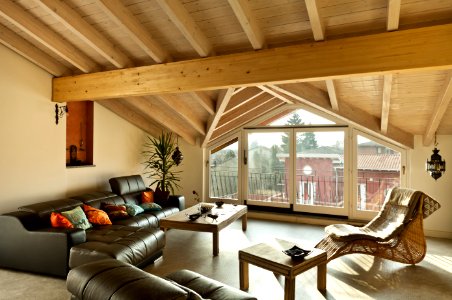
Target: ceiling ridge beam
<point>280,96</point>
<point>137,32</point>
<point>393,12</point>
<point>205,101</point>
<point>330,86</point>
<point>248,22</point>
<point>222,102</point>
<point>402,51</point>
<point>75,23</point>
<point>185,23</point>
<point>444,99</point>
<point>15,42</point>
<point>314,97</point>
<point>386,102</point>
<point>47,37</point>
<point>318,30</point>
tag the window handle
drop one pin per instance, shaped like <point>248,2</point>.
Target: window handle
<point>245,160</point>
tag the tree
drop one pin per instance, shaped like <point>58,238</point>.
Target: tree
<point>308,141</point>
<point>295,119</point>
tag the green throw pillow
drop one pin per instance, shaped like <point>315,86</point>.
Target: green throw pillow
<point>77,217</point>
<point>150,206</point>
<point>133,209</point>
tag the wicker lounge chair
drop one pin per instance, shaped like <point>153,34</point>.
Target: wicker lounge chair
<point>396,233</point>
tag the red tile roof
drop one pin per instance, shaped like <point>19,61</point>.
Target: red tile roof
<point>384,162</point>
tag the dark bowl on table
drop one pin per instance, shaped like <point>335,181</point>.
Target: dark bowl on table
<point>219,204</point>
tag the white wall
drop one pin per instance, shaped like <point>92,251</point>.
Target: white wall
<point>440,223</point>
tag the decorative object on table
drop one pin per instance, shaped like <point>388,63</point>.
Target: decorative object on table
<point>436,166</point>
<point>158,152</point>
<point>219,204</point>
<point>177,155</point>
<point>194,217</point>
<point>213,216</point>
<point>196,197</point>
<point>296,252</point>
<point>206,207</point>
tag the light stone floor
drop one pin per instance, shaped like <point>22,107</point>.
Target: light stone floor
<point>349,277</point>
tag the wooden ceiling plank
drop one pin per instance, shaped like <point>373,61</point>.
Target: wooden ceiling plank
<point>280,96</point>
<point>318,30</point>
<point>130,24</point>
<point>206,102</point>
<point>403,51</point>
<point>393,12</point>
<point>153,108</point>
<point>144,123</point>
<point>15,42</point>
<point>248,22</point>
<point>332,94</point>
<point>441,106</point>
<point>310,95</point>
<point>185,23</point>
<point>47,37</point>
<point>74,22</point>
<point>180,107</point>
<point>386,103</point>
<point>243,97</point>
<point>222,102</point>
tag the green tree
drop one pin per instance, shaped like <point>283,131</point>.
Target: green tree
<point>308,141</point>
<point>275,164</point>
<point>295,119</point>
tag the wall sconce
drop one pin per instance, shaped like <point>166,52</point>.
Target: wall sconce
<point>59,112</point>
<point>436,166</point>
<point>177,154</point>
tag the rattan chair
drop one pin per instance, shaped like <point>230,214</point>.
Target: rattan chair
<point>396,233</point>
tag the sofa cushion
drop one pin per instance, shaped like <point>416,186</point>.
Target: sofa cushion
<point>57,220</point>
<point>115,212</point>
<point>133,209</point>
<point>127,184</point>
<point>77,217</point>
<point>147,196</point>
<point>96,216</point>
<point>150,206</point>
<point>44,209</point>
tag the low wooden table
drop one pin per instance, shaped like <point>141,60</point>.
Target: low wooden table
<point>227,214</point>
<point>271,257</point>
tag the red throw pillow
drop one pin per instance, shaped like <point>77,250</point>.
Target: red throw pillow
<point>115,212</point>
<point>147,197</point>
<point>59,221</point>
<point>96,216</point>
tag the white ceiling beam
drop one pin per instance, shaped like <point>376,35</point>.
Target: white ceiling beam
<point>386,103</point>
<point>441,106</point>
<point>87,33</point>
<point>46,36</point>
<point>222,102</point>
<point>136,31</point>
<point>276,94</point>
<point>185,23</point>
<point>248,22</point>
<point>16,43</point>
<point>393,11</point>
<point>318,30</point>
<point>332,94</point>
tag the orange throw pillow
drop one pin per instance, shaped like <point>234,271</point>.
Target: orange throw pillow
<point>59,221</point>
<point>147,197</point>
<point>96,216</point>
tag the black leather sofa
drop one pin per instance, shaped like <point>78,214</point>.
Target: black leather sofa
<point>115,280</point>
<point>28,242</point>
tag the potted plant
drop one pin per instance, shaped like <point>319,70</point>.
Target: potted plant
<point>160,162</point>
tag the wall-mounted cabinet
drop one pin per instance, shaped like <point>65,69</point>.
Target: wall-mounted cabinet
<point>79,134</point>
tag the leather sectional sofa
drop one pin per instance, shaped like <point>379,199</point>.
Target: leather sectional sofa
<point>28,242</point>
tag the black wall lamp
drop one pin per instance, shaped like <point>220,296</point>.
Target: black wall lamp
<point>436,166</point>
<point>59,112</point>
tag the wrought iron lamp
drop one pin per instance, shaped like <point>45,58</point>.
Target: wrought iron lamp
<point>59,112</point>
<point>436,166</point>
<point>177,154</point>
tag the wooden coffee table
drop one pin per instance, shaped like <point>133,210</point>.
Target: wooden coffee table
<point>227,214</point>
<point>271,257</point>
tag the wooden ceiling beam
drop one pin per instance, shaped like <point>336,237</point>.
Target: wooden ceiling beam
<point>242,97</point>
<point>318,30</point>
<point>16,43</point>
<point>181,108</point>
<point>132,116</point>
<point>46,36</point>
<point>310,95</point>
<point>75,23</point>
<point>276,94</point>
<point>386,103</point>
<point>332,94</point>
<point>441,106</point>
<point>185,23</point>
<point>248,22</point>
<point>205,101</point>
<point>222,102</point>
<point>403,51</point>
<point>393,11</point>
<point>137,32</point>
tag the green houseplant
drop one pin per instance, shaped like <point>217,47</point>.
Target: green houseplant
<point>160,163</point>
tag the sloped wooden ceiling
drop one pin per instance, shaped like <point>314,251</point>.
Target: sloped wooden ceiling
<point>203,68</point>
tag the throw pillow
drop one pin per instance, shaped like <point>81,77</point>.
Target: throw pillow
<point>147,196</point>
<point>160,195</point>
<point>133,209</point>
<point>115,212</point>
<point>59,221</point>
<point>96,216</point>
<point>77,217</point>
<point>151,206</point>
